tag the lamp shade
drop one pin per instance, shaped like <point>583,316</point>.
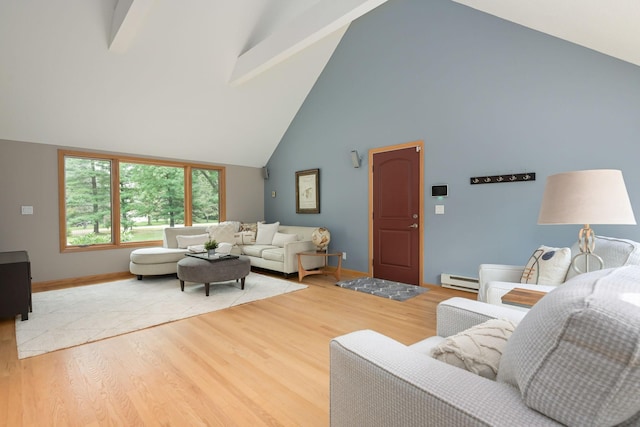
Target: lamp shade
<point>586,197</point>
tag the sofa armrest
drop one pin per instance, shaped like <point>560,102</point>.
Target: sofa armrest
<point>457,314</point>
<point>497,272</point>
<point>495,290</point>
<point>291,260</point>
<point>500,272</point>
<point>377,381</point>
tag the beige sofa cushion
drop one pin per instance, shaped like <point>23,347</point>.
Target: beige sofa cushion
<point>256,250</point>
<point>279,239</point>
<point>273,254</point>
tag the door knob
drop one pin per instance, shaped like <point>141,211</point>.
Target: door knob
<point>413,226</point>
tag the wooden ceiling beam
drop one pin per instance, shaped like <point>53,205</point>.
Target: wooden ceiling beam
<point>319,21</point>
<point>128,18</point>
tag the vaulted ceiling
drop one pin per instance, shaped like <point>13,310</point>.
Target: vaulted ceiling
<point>216,81</point>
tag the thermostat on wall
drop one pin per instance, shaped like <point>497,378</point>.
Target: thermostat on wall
<point>439,190</point>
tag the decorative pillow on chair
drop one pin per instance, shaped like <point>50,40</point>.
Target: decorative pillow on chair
<point>478,349</point>
<point>266,232</point>
<point>547,266</point>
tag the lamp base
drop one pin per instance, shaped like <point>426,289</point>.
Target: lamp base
<point>587,243</point>
<point>586,255</point>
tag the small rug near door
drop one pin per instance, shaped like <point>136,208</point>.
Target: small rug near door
<point>73,316</point>
<point>383,288</point>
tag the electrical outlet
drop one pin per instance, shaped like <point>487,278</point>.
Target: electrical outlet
<point>344,255</point>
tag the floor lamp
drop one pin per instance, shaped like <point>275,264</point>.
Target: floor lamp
<point>586,197</point>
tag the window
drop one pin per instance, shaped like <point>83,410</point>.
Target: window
<point>151,198</point>
<point>205,196</point>
<point>137,198</point>
<point>87,194</point>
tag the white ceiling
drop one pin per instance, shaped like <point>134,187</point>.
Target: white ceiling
<point>611,27</point>
<point>213,81</point>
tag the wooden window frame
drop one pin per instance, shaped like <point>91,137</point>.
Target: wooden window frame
<point>115,195</point>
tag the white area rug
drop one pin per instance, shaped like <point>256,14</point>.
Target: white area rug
<point>69,317</point>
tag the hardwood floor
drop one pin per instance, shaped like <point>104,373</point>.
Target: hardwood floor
<point>263,363</point>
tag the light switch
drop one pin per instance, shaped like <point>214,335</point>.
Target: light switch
<point>27,210</point>
<point>439,209</point>
<point>273,194</point>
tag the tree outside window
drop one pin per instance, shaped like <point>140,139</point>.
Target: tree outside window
<point>145,198</point>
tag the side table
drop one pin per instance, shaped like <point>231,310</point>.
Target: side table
<point>522,297</point>
<point>302,272</point>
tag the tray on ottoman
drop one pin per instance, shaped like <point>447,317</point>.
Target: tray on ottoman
<point>205,256</point>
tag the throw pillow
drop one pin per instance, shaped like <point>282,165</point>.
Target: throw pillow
<point>477,349</point>
<point>197,239</point>
<point>222,232</point>
<point>266,232</point>
<point>547,266</point>
<point>245,237</point>
<point>574,356</point>
<point>279,239</point>
<point>249,226</point>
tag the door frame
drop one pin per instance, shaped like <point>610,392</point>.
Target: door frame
<point>420,145</point>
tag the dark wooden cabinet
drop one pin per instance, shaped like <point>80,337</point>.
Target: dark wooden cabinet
<point>15,284</point>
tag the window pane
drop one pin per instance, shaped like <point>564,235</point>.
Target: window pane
<point>87,188</point>
<point>205,206</point>
<point>151,198</point>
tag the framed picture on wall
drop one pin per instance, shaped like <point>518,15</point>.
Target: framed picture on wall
<point>308,191</point>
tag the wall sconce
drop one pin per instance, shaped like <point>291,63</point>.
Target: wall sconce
<point>355,159</point>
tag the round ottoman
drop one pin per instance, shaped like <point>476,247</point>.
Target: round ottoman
<point>197,270</point>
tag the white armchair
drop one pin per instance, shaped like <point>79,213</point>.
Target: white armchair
<point>377,381</point>
<point>553,369</point>
<point>498,279</point>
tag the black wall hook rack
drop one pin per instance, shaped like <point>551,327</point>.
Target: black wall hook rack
<point>495,179</point>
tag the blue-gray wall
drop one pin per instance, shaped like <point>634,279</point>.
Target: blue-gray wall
<point>487,97</point>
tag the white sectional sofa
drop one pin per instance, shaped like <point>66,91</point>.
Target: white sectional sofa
<point>275,249</point>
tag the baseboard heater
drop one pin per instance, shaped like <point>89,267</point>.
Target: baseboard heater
<point>461,283</point>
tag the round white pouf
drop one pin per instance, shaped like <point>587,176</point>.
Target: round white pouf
<point>321,238</point>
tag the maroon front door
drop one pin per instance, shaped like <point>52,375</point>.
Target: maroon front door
<point>396,211</point>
